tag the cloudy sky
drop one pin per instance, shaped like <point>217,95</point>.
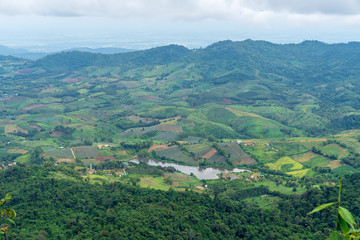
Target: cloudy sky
<point>54,24</point>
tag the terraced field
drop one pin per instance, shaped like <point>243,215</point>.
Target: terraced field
<point>335,150</point>
<point>217,158</point>
<point>237,155</point>
<point>198,149</point>
<point>85,152</point>
<point>176,154</point>
<point>59,153</point>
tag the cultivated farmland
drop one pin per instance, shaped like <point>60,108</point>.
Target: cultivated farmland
<point>237,155</point>
<point>85,152</point>
<point>176,154</point>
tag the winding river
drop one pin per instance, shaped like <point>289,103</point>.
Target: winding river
<point>199,172</point>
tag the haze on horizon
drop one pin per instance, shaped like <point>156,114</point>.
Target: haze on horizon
<point>59,24</point>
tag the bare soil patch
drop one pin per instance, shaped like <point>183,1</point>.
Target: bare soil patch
<point>334,164</point>
<point>305,157</point>
<point>209,154</point>
<point>68,160</point>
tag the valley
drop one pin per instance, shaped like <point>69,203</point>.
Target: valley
<point>287,113</point>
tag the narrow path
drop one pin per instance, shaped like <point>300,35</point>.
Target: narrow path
<point>73,153</point>
<point>343,151</point>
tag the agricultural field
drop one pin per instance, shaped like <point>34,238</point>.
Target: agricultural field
<point>181,180</point>
<point>174,153</point>
<point>153,182</point>
<point>334,150</point>
<point>59,153</point>
<point>84,152</point>
<point>316,161</point>
<point>285,164</point>
<point>237,154</point>
<point>165,136</point>
<point>198,149</point>
<point>217,158</point>
<point>299,173</point>
<point>290,148</point>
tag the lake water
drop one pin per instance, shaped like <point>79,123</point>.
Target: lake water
<point>199,172</point>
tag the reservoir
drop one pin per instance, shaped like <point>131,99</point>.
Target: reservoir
<point>199,172</point>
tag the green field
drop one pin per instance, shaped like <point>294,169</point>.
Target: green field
<point>217,158</point>
<point>59,153</point>
<point>290,148</point>
<point>198,149</point>
<point>176,154</point>
<point>237,154</point>
<point>316,161</point>
<point>154,182</point>
<point>264,202</point>
<point>280,188</point>
<point>286,164</point>
<point>334,150</point>
<point>181,180</point>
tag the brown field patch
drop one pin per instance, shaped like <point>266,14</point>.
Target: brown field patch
<point>104,158</point>
<point>175,184</point>
<point>17,151</point>
<point>305,157</point>
<point>68,160</point>
<point>177,177</point>
<point>71,80</point>
<point>209,154</point>
<point>38,105</point>
<point>240,113</point>
<point>138,119</point>
<point>36,127</point>
<point>158,147</point>
<point>14,129</point>
<point>334,164</point>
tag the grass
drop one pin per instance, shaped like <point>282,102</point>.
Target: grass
<point>289,147</point>
<point>346,170</point>
<point>304,157</point>
<point>299,173</point>
<point>280,188</point>
<point>316,161</point>
<point>182,180</point>
<point>23,159</point>
<point>264,202</point>
<point>87,162</point>
<point>286,162</point>
<point>154,182</point>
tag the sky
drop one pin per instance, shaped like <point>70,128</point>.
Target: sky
<point>47,25</point>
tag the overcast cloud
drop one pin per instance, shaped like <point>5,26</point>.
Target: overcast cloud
<point>177,9</point>
<point>24,21</point>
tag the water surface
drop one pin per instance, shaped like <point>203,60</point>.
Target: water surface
<point>199,172</point>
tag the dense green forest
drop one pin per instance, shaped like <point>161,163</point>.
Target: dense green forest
<point>81,210</point>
